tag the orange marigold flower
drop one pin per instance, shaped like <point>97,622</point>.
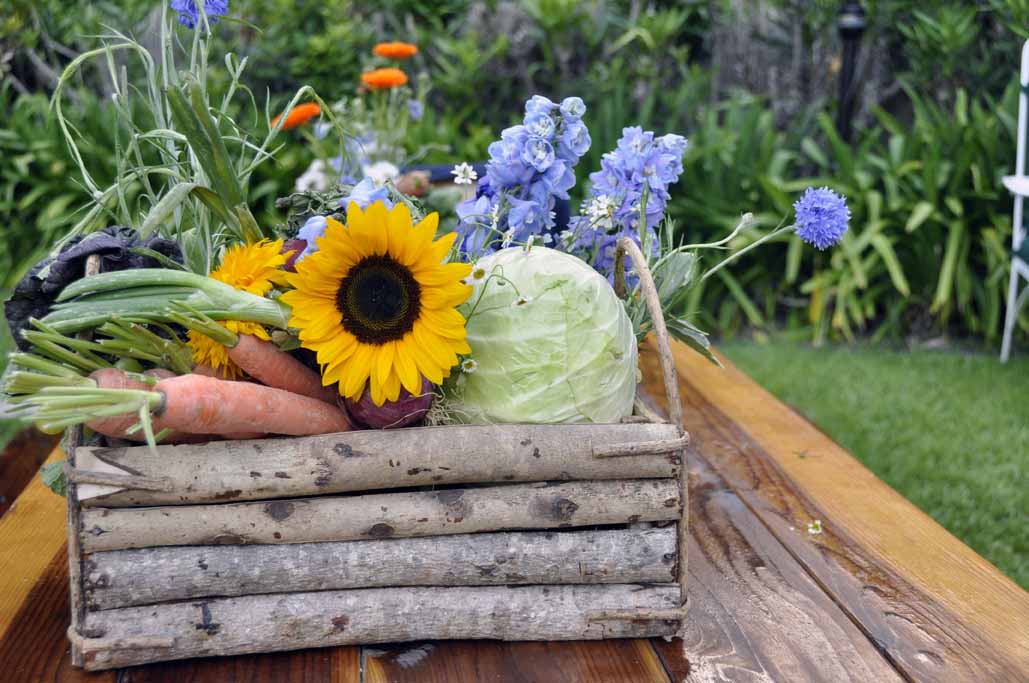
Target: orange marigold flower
<point>300,114</point>
<point>384,79</point>
<point>395,50</point>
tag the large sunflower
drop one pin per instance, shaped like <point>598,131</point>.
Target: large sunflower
<point>253,268</point>
<point>378,304</point>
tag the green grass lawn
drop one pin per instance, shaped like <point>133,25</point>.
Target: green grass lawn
<point>948,430</point>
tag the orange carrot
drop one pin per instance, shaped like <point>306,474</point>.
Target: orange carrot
<point>265,362</point>
<point>204,405</point>
<point>118,427</point>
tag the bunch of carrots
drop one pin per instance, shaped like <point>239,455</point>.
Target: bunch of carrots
<point>174,401</point>
<point>199,406</point>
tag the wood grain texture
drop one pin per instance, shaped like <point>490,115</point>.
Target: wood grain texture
<point>20,461</point>
<point>373,459</point>
<point>31,533</point>
<point>36,650</point>
<point>287,621</point>
<point>124,578</point>
<point>604,661</point>
<point>937,610</point>
<point>326,665</point>
<point>387,515</point>
<point>755,614</point>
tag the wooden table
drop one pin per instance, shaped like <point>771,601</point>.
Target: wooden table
<point>882,594</point>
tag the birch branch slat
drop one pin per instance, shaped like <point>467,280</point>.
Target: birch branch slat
<point>385,515</point>
<point>125,578</point>
<point>367,460</point>
<point>267,623</point>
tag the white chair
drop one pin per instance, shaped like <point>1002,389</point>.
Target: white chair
<point>1018,185</point>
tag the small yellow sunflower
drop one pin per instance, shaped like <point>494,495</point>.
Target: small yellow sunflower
<point>253,268</point>
<point>378,304</point>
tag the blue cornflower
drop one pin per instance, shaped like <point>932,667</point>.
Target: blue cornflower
<point>189,12</point>
<point>822,217</point>
<point>415,109</point>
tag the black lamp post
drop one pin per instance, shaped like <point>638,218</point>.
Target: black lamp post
<point>851,25</point>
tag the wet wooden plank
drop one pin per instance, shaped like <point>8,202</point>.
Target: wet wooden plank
<point>597,661</point>
<point>755,614</point>
<point>326,665</point>
<point>929,603</point>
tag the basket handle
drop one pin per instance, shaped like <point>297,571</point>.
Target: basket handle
<point>650,297</point>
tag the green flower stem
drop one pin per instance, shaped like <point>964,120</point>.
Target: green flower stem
<point>753,245</point>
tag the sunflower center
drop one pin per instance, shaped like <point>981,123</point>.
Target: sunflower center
<point>379,299</point>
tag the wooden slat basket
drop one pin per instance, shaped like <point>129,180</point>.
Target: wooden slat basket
<point>510,532</point>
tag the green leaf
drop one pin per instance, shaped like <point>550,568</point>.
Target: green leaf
<point>950,258</point>
<point>749,309</point>
<point>814,152</point>
<point>160,211</point>
<point>52,475</point>
<point>919,214</point>
<point>893,267</point>
<point>693,337</point>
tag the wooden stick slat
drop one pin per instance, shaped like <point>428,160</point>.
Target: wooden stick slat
<point>388,515</point>
<point>267,623</point>
<point>125,578</point>
<point>641,448</point>
<point>368,460</point>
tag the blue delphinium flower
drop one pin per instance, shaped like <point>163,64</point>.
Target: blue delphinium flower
<point>530,167</point>
<point>822,217</point>
<point>365,193</point>
<point>311,230</point>
<point>415,109</point>
<point>189,12</point>
<point>641,166</point>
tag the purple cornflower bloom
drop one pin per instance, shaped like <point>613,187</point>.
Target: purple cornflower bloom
<point>822,217</point>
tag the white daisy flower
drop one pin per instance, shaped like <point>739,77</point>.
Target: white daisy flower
<point>477,275</point>
<point>464,174</point>
<point>815,527</point>
<point>469,365</point>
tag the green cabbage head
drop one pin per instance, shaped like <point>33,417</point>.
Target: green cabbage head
<point>550,340</point>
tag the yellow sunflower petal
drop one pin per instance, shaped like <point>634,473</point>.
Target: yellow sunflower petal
<point>392,387</point>
<point>422,360</point>
<point>359,368</point>
<point>445,297</point>
<point>398,229</point>
<point>405,367</point>
<point>383,364</point>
